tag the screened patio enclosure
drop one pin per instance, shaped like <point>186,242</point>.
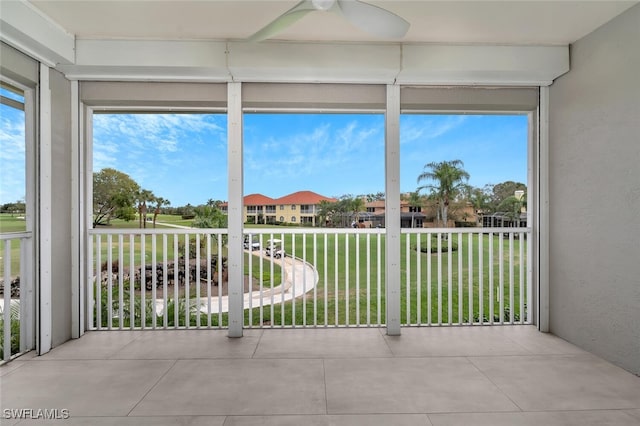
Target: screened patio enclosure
<point>576,109</point>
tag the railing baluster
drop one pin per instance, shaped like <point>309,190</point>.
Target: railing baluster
<point>304,280</point>
<point>449,278</point>
<point>120,280</point>
<point>379,279</point>
<point>176,282</point>
<point>326,280</point>
<point>132,282</point>
<point>187,276</point>
<point>209,280</point>
<point>407,278</point>
<point>220,267</point>
<point>470,276</point>
<point>501,277</point>
<point>347,237</point>
<point>429,301</point>
<point>357,280</point>
<point>293,279</point>
<point>368,279</point>
<point>154,282</point>
<point>481,278</point>
<point>98,282</point>
<point>272,291</point>
<point>337,273</point>
<point>249,240</point>
<point>261,283</point>
<point>6,312</point>
<point>283,284</point>
<point>109,281</point>
<point>439,278</point>
<point>196,282</point>
<point>460,291</point>
<point>418,280</point>
<point>165,282</point>
<point>512,309</point>
<point>143,281</point>
<point>491,282</point>
<point>315,287</point>
<point>522,262</point>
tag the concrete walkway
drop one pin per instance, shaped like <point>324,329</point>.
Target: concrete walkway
<point>299,278</point>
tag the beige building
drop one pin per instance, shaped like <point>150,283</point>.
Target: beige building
<point>297,208</point>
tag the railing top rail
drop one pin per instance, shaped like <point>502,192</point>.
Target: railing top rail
<point>158,231</point>
<point>463,230</point>
<point>286,231</point>
<point>251,231</point>
<point>15,235</point>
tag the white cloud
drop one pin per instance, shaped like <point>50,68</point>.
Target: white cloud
<point>424,128</point>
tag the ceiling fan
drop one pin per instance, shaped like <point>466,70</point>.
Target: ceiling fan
<point>367,17</point>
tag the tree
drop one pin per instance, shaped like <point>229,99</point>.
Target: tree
<point>449,179</point>
<point>502,191</point>
<point>160,202</point>
<point>144,196</point>
<point>415,201</point>
<point>512,207</point>
<point>209,217</point>
<point>357,206</point>
<point>326,209</point>
<point>114,194</point>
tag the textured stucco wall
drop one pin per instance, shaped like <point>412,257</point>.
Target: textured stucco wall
<point>594,169</point>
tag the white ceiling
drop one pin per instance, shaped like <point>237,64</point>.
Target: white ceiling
<point>493,22</point>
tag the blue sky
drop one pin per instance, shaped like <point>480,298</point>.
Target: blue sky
<point>183,157</point>
<point>12,151</point>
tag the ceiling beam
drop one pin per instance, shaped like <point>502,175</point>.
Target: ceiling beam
<point>22,26</point>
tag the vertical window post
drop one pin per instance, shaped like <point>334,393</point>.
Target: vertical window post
<point>235,221</point>
<point>44,215</point>
<point>392,209</point>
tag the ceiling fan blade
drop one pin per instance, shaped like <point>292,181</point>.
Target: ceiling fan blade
<point>283,21</point>
<point>373,19</point>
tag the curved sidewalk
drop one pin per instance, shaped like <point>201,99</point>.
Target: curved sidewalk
<point>299,278</point>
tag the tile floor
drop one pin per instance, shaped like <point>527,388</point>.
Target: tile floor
<point>497,376</point>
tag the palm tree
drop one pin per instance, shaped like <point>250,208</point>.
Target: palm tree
<point>415,201</point>
<point>449,179</point>
<point>357,205</point>
<point>144,196</point>
<point>159,203</point>
<point>513,206</point>
<point>325,211</point>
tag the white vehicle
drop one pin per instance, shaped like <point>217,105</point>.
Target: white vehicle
<point>274,249</point>
<point>251,244</point>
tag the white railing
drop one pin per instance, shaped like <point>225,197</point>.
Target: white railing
<point>17,304</point>
<point>467,276</point>
<point>307,277</point>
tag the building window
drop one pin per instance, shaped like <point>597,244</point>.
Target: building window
<point>293,207</point>
<point>281,207</point>
<point>371,209</point>
<point>415,209</point>
<point>281,218</point>
<point>293,218</point>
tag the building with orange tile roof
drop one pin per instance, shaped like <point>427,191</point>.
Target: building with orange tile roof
<point>299,207</point>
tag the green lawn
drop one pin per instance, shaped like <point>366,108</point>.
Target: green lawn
<point>363,302</point>
<point>11,223</point>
